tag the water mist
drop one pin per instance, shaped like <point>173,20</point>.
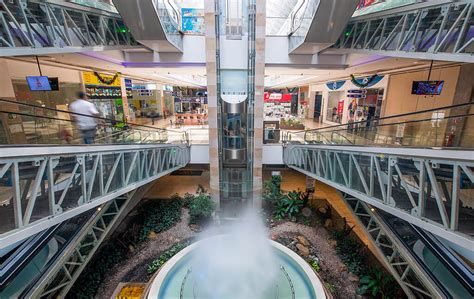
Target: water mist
<point>240,264</point>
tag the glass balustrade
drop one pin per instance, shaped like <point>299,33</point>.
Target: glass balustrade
<point>30,124</point>
<point>447,127</point>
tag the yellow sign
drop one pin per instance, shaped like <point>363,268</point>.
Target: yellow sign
<point>91,79</point>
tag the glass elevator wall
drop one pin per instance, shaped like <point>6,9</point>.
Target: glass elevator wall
<point>235,26</point>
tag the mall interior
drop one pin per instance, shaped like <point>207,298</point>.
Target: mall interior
<point>246,149</point>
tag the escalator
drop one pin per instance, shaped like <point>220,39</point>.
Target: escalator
<point>413,175</point>
<point>46,179</point>
<point>440,262</point>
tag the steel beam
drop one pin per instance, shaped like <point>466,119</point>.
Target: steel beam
<point>395,170</point>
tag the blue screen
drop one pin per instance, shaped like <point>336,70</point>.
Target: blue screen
<point>427,87</point>
<point>38,83</point>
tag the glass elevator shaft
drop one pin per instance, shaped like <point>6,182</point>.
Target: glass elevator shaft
<point>235,32</point>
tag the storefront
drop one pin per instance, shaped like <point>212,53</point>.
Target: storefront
<point>146,99</point>
<point>353,100</point>
<point>105,92</point>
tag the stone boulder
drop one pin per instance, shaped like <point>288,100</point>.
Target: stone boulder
<point>303,250</point>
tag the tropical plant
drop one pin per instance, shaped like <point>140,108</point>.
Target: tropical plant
<point>377,285</point>
<point>271,189</point>
<point>289,205</point>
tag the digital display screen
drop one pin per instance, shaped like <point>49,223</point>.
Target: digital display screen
<point>38,83</point>
<point>427,87</point>
<point>54,83</point>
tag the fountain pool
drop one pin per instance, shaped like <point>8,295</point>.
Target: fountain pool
<point>292,279</point>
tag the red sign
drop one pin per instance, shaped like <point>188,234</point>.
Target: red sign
<point>340,107</point>
<point>277,97</point>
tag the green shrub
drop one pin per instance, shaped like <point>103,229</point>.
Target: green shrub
<point>159,217</point>
<point>168,254</point>
<point>154,216</point>
<point>271,190</point>
<point>377,285</point>
<point>315,265</point>
<point>201,208</point>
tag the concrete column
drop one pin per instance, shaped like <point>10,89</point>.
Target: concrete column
<point>210,36</point>
<point>258,106</point>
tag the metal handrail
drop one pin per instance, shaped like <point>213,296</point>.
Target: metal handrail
<point>398,115</point>
<point>74,113</point>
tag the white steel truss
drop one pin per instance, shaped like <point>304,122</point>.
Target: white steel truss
<point>61,276</point>
<point>424,187</point>
<point>404,268</point>
<point>56,184</point>
<point>438,32</point>
<point>35,27</point>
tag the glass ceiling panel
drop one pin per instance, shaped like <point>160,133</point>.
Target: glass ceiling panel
<point>278,12</point>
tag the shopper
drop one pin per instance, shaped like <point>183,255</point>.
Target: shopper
<point>153,115</point>
<point>85,118</point>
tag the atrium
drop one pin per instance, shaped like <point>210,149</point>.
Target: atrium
<point>237,149</point>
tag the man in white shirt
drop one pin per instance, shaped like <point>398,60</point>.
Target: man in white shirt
<point>86,117</point>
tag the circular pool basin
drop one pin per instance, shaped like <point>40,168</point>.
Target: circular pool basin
<point>293,279</point>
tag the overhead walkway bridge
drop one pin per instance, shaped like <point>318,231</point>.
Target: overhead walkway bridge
<point>39,27</point>
<point>409,182</point>
<point>45,180</point>
<point>438,30</point>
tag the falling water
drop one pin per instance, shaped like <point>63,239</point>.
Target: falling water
<point>240,265</point>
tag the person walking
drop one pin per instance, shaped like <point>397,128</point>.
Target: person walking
<point>85,118</point>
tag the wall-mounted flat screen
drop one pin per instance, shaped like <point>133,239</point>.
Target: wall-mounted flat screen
<point>38,83</point>
<point>427,87</point>
<point>54,83</point>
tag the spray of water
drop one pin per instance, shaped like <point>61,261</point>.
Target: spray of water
<point>238,264</point>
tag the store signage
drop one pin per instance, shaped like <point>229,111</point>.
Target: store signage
<point>340,107</point>
<point>277,97</point>
<point>356,95</point>
<point>365,81</point>
<point>91,79</point>
<point>357,91</point>
<point>191,100</point>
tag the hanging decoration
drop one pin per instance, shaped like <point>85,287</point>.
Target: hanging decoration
<point>106,81</point>
<point>335,85</point>
<point>365,81</point>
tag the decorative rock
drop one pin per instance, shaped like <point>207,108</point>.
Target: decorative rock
<point>353,277</point>
<point>152,235</point>
<point>131,248</point>
<point>328,223</point>
<point>332,242</point>
<point>274,237</point>
<point>303,250</point>
<point>302,240</point>
<point>306,212</point>
<point>322,210</point>
<point>195,228</point>
<point>343,268</point>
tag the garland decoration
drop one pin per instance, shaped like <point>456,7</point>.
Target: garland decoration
<point>365,84</point>
<point>106,81</point>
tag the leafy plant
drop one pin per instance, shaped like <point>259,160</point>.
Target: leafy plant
<point>201,206</point>
<point>331,287</point>
<point>271,189</point>
<point>377,285</point>
<point>168,254</point>
<point>315,265</point>
<point>289,205</point>
<point>159,217</point>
